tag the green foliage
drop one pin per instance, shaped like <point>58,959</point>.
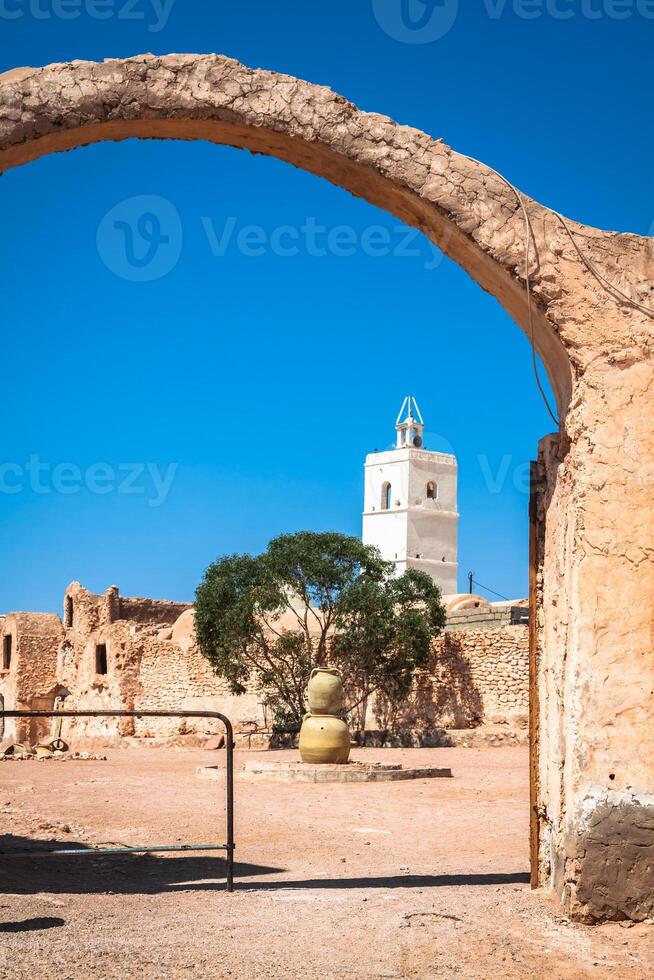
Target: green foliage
<point>340,605</point>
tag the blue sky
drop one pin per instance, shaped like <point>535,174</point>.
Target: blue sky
<point>250,383</point>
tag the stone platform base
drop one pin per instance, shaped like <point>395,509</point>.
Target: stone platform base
<point>299,772</point>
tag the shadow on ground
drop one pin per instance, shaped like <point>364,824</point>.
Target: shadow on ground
<point>144,874</point>
<point>33,925</point>
<point>148,874</point>
<point>396,881</point>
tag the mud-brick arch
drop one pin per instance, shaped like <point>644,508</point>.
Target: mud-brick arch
<point>595,581</point>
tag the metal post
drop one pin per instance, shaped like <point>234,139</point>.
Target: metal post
<point>534,821</point>
<point>229,734</point>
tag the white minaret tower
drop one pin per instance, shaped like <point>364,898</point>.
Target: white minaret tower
<point>410,503</point>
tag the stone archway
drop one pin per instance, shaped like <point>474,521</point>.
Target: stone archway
<point>595,575</point>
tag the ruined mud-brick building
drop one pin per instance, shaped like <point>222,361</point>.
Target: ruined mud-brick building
<point>112,652</point>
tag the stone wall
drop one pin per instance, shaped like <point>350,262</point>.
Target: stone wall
<point>498,664</point>
<point>150,661</point>
<point>150,611</point>
<point>475,677</point>
<point>486,616</point>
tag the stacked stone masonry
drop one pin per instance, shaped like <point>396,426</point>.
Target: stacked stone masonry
<point>498,661</point>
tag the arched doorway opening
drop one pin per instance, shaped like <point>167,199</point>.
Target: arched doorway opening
<point>585,309</point>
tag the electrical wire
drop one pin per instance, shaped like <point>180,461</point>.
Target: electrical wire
<point>528,234</point>
<point>586,261</point>
<point>492,591</point>
<point>598,275</point>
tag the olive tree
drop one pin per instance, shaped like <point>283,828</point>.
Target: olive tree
<point>311,600</point>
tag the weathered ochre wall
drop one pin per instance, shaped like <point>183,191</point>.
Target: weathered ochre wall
<point>595,688</point>
<point>174,672</point>
<point>130,628</point>
<point>31,681</point>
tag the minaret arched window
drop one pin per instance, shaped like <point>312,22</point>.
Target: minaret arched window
<point>386,497</point>
<point>432,490</point>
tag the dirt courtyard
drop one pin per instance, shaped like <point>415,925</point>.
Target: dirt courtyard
<point>409,879</point>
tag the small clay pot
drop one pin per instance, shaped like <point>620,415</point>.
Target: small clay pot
<point>324,739</point>
<point>325,691</point>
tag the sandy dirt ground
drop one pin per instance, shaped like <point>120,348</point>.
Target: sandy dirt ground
<point>411,879</point>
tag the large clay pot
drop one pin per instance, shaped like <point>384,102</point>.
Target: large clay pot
<point>325,691</point>
<point>324,739</point>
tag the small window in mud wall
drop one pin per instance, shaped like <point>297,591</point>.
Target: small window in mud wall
<point>68,612</point>
<point>101,658</point>
<point>386,497</point>
<point>432,490</point>
<point>7,644</point>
